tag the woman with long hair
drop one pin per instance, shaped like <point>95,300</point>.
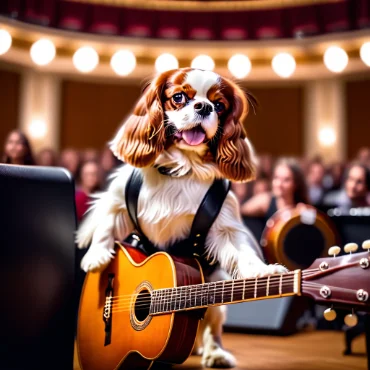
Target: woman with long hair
<point>288,189</point>
<point>17,149</point>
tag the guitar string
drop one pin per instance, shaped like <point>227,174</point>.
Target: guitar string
<point>260,284</point>
<point>251,282</point>
<point>162,303</point>
<point>170,297</point>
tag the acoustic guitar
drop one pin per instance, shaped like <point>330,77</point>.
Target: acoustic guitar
<point>144,310</point>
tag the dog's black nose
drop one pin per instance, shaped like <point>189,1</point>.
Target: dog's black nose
<point>203,108</point>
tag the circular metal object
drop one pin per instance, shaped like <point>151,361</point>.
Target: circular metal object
<point>362,295</point>
<point>325,292</point>
<point>364,263</point>
<point>324,266</point>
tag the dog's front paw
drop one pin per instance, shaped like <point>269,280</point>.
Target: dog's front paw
<point>260,270</point>
<point>96,259</point>
<point>216,357</point>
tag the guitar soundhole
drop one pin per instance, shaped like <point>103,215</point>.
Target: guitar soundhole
<point>142,305</point>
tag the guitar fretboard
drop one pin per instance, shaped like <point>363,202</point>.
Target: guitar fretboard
<point>224,292</point>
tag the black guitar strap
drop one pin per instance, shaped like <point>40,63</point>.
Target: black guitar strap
<point>203,220</point>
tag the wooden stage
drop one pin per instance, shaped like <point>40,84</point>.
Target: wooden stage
<point>316,350</point>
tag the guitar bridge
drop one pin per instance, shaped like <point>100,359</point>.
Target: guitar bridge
<point>107,312</point>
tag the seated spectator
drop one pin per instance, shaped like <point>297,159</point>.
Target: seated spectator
<point>88,181</point>
<point>108,163</point>
<point>288,190</point>
<point>363,156</point>
<point>355,190</point>
<point>17,149</point>
<point>315,182</point>
<point>70,159</point>
<point>46,157</point>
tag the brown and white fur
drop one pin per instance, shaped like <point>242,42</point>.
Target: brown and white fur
<point>188,122</point>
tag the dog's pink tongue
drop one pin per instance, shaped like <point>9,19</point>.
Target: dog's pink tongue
<point>194,136</point>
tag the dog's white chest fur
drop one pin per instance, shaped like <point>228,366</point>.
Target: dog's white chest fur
<point>167,207</point>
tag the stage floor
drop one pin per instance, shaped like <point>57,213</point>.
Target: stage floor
<point>315,350</point>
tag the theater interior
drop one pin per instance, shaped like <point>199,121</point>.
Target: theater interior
<point>72,73</point>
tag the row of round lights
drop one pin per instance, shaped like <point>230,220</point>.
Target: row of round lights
<point>123,62</point>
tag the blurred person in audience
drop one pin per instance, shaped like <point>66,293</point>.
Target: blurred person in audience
<point>261,185</point>
<point>363,156</point>
<point>336,174</point>
<point>242,191</point>
<point>355,191</point>
<point>108,163</point>
<point>70,159</point>
<point>90,154</point>
<point>46,157</point>
<point>88,181</point>
<point>315,182</point>
<point>287,191</point>
<point>17,149</point>
<point>265,166</point>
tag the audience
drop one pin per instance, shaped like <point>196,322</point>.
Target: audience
<point>355,189</point>
<point>88,181</point>
<point>288,183</point>
<point>17,149</point>
<point>46,157</point>
<point>288,190</point>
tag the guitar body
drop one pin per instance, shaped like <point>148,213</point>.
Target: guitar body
<point>128,337</point>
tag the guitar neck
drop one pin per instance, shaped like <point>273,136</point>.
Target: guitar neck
<point>190,297</point>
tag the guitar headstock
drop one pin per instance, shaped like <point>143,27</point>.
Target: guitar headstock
<point>341,280</point>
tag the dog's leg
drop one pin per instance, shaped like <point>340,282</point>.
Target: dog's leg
<point>214,355</point>
<point>106,222</point>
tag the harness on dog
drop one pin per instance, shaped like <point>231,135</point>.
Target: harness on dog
<point>194,245</point>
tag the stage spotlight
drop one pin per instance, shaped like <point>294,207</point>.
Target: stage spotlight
<point>365,53</point>
<point>123,62</point>
<point>5,41</point>
<point>283,64</point>
<point>37,128</point>
<point>42,52</point>
<point>166,62</point>
<point>203,62</point>
<point>85,59</point>
<point>239,65</point>
<point>335,59</point>
<point>327,136</point>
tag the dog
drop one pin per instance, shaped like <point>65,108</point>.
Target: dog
<point>185,131</point>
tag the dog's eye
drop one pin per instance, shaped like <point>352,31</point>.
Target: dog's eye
<point>219,107</point>
<point>179,98</point>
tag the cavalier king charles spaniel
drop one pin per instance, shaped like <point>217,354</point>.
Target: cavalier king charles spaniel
<point>185,131</point>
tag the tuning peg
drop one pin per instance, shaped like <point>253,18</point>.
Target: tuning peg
<point>351,319</point>
<point>350,247</point>
<point>333,251</point>
<point>366,245</point>
<point>330,314</point>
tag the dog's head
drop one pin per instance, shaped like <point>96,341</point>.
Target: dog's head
<point>195,110</point>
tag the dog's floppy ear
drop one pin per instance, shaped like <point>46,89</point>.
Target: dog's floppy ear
<point>142,136</point>
<point>235,156</point>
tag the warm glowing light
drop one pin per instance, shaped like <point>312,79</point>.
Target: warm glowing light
<point>42,52</point>
<point>239,65</point>
<point>123,62</point>
<point>203,62</point>
<point>335,59</point>
<point>283,64</point>
<point>85,59</point>
<point>327,136</point>
<point>365,53</point>
<point>5,41</point>
<point>37,128</point>
<point>166,62</point>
